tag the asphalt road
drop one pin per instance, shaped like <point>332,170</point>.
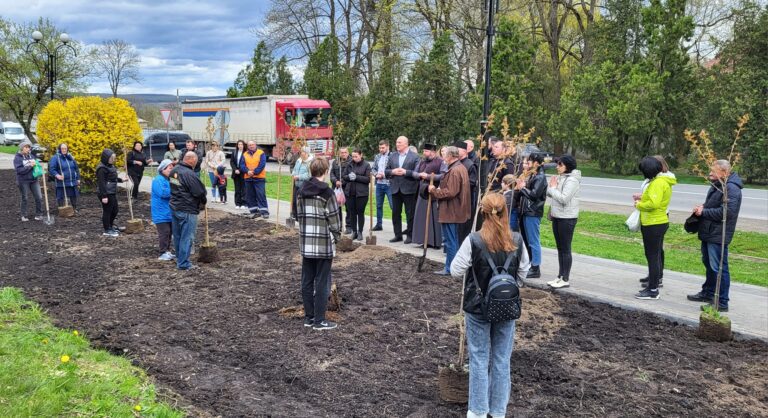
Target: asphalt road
<point>754,203</point>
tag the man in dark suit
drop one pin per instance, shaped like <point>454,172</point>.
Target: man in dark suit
<point>403,186</point>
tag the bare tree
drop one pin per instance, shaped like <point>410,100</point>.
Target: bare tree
<point>118,62</point>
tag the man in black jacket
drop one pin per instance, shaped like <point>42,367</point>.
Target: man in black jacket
<point>711,231</point>
<point>403,186</point>
<point>192,146</point>
<point>533,194</point>
<point>188,197</point>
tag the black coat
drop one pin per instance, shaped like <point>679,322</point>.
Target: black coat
<point>359,186</point>
<point>711,220</point>
<point>133,169</point>
<point>481,270</point>
<point>106,176</point>
<point>534,194</point>
<point>405,184</point>
<point>337,170</point>
<point>188,194</point>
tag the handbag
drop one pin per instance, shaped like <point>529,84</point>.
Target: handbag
<point>691,224</point>
<point>37,170</point>
<point>633,222</point>
<point>340,198</point>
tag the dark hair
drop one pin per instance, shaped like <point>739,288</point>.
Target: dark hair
<point>664,165</point>
<point>357,151</point>
<point>138,143</point>
<point>536,157</point>
<point>650,167</point>
<point>568,161</point>
<point>383,142</point>
<point>318,167</point>
<point>245,146</point>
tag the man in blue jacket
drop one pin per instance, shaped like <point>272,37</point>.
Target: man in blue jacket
<point>161,209</point>
<point>711,231</point>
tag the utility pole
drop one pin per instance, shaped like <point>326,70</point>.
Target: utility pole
<point>489,32</point>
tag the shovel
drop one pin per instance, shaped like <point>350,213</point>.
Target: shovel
<point>66,211</point>
<point>209,253</point>
<point>427,221</point>
<point>48,218</point>
<point>290,222</point>
<point>133,225</point>
<point>453,380</point>
<point>370,239</point>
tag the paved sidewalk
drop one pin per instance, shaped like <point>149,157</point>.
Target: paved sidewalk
<point>597,279</point>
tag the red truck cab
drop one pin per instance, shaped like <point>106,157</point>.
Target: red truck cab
<point>303,120</point>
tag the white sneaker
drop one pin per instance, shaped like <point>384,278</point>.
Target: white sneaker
<point>560,283</point>
<point>172,255</point>
<point>552,282</point>
<point>38,218</point>
<point>24,219</point>
<point>165,257</point>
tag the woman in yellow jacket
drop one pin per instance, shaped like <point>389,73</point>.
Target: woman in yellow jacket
<point>654,222</point>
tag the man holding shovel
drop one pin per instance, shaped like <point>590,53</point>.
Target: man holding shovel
<point>188,197</point>
<point>453,195</point>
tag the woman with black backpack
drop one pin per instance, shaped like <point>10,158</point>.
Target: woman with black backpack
<point>494,261</point>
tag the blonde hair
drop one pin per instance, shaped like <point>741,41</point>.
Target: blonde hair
<point>509,179</point>
<point>495,231</point>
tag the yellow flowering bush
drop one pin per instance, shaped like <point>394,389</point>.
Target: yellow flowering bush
<point>88,125</point>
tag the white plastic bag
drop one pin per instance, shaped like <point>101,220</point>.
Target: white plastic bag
<point>340,198</point>
<point>633,222</point>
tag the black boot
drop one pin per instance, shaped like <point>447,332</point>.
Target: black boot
<point>533,273</point>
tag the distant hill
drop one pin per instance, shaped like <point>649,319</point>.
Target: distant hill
<point>153,99</point>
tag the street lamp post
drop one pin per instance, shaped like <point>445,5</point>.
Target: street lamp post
<point>53,56</point>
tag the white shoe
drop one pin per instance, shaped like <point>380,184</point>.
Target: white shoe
<point>24,219</point>
<point>165,257</point>
<point>552,282</point>
<point>172,255</point>
<point>560,283</point>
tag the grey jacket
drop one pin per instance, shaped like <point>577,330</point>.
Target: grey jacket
<point>564,197</point>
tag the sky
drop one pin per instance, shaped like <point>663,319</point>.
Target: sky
<point>197,46</point>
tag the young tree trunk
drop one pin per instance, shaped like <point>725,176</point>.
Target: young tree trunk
<point>716,302</point>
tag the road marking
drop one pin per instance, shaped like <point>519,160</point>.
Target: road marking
<point>674,192</point>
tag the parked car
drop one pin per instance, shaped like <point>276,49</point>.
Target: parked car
<point>11,133</point>
<point>38,151</point>
<point>156,143</point>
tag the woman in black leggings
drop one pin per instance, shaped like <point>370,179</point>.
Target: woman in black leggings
<point>563,191</point>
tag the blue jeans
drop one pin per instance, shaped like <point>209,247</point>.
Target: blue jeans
<point>490,349</point>
<point>256,196</point>
<point>214,189</point>
<point>531,228</point>
<point>710,256</point>
<point>514,219</point>
<point>450,242</point>
<point>33,187</point>
<point>381,191</point>
<point>184,227</point>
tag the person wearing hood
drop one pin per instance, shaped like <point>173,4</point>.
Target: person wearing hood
<point>563,191</point>
<point>136,163</point>
<point>24,164</point>
<point>106,190</point>
<point>654,221</point>
<point>161,209</point>
<point>711,231</point>
<point>66,173</point>
<point>319,230</point>
<point>300,174</point>
<point>664,172</point>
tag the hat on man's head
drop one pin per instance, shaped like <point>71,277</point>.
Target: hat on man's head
<point>460,145</point>
<point>164,164</point>
<point>430,147</point>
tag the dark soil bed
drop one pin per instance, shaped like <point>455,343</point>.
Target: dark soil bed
<point>214,336</point>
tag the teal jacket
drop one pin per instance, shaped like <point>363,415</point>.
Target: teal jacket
<point>654,203</point>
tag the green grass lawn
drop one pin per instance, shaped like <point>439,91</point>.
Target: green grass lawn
<point>45,371</point>
<point>591,169</point>
<point>605,236</point>
<point>9,149</point>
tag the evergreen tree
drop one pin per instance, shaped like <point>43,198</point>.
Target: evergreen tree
<point>255,78</point>
<point>283,82</point>
<point>433,102</point>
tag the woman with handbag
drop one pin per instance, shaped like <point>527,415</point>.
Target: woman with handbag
<point>666,173</point>
<point>563,191</point>
<point>654,221</point>
<point>25,165</point>
<point>489,340</point>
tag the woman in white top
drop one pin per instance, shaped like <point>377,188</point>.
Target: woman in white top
<point>213,159</point>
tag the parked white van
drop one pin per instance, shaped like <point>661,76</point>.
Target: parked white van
<point>11,133</point>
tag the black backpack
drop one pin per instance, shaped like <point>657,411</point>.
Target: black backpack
<point>501,301</point>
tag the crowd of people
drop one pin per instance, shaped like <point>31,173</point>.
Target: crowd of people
<point>444,195</point>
